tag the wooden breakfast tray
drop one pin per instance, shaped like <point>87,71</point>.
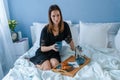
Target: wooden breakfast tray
<point>75,70</point>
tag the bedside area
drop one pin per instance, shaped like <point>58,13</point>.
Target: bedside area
<point>21,47</point>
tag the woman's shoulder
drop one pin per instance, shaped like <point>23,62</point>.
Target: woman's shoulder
<point>45,28</point>
<point>66,25</point>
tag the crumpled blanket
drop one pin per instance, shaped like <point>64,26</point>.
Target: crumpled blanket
<point>104,65</point>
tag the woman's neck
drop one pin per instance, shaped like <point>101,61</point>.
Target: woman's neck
<point>55,30</point>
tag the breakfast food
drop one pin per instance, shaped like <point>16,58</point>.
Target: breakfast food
<point>65,66</point>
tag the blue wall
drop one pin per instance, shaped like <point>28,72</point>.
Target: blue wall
<point>28,11</point>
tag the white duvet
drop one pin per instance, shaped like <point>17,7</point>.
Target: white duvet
<point>104,65</point>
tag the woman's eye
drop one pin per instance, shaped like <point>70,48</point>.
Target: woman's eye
<point>53,16</point>
<point>58,15</point>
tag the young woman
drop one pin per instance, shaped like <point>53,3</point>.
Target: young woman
<point>47,56</point>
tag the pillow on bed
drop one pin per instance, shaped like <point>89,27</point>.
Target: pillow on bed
<point>117,40</point>
<point>38,28</point>
<point>94,34</point>
<point>75,32</point>
<point>69,22</point>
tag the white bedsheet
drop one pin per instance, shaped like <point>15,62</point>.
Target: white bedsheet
<point>104,65</point>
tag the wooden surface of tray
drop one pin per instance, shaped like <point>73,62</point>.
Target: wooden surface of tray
<point>75,70</point>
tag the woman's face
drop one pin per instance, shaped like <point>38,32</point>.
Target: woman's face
<point>55,16</point>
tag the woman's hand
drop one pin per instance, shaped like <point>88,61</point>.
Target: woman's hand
<point>53,47</point>
<point>72,45</point>
<point>48,48</point>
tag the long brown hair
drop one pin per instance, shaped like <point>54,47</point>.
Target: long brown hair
<point>61,24</point>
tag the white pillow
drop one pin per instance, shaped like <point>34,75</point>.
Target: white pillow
<point>69,22</point>
<point>94,34</point>
<point>38,28</point>
<point>75,33</point>
<point>117,40</point>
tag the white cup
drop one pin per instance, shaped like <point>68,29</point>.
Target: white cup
<point>19,35</point>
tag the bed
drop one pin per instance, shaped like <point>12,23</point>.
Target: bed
<point>104,64</point>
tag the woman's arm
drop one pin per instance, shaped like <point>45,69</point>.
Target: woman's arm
<point>48,48</point>
<point>72,45</point>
